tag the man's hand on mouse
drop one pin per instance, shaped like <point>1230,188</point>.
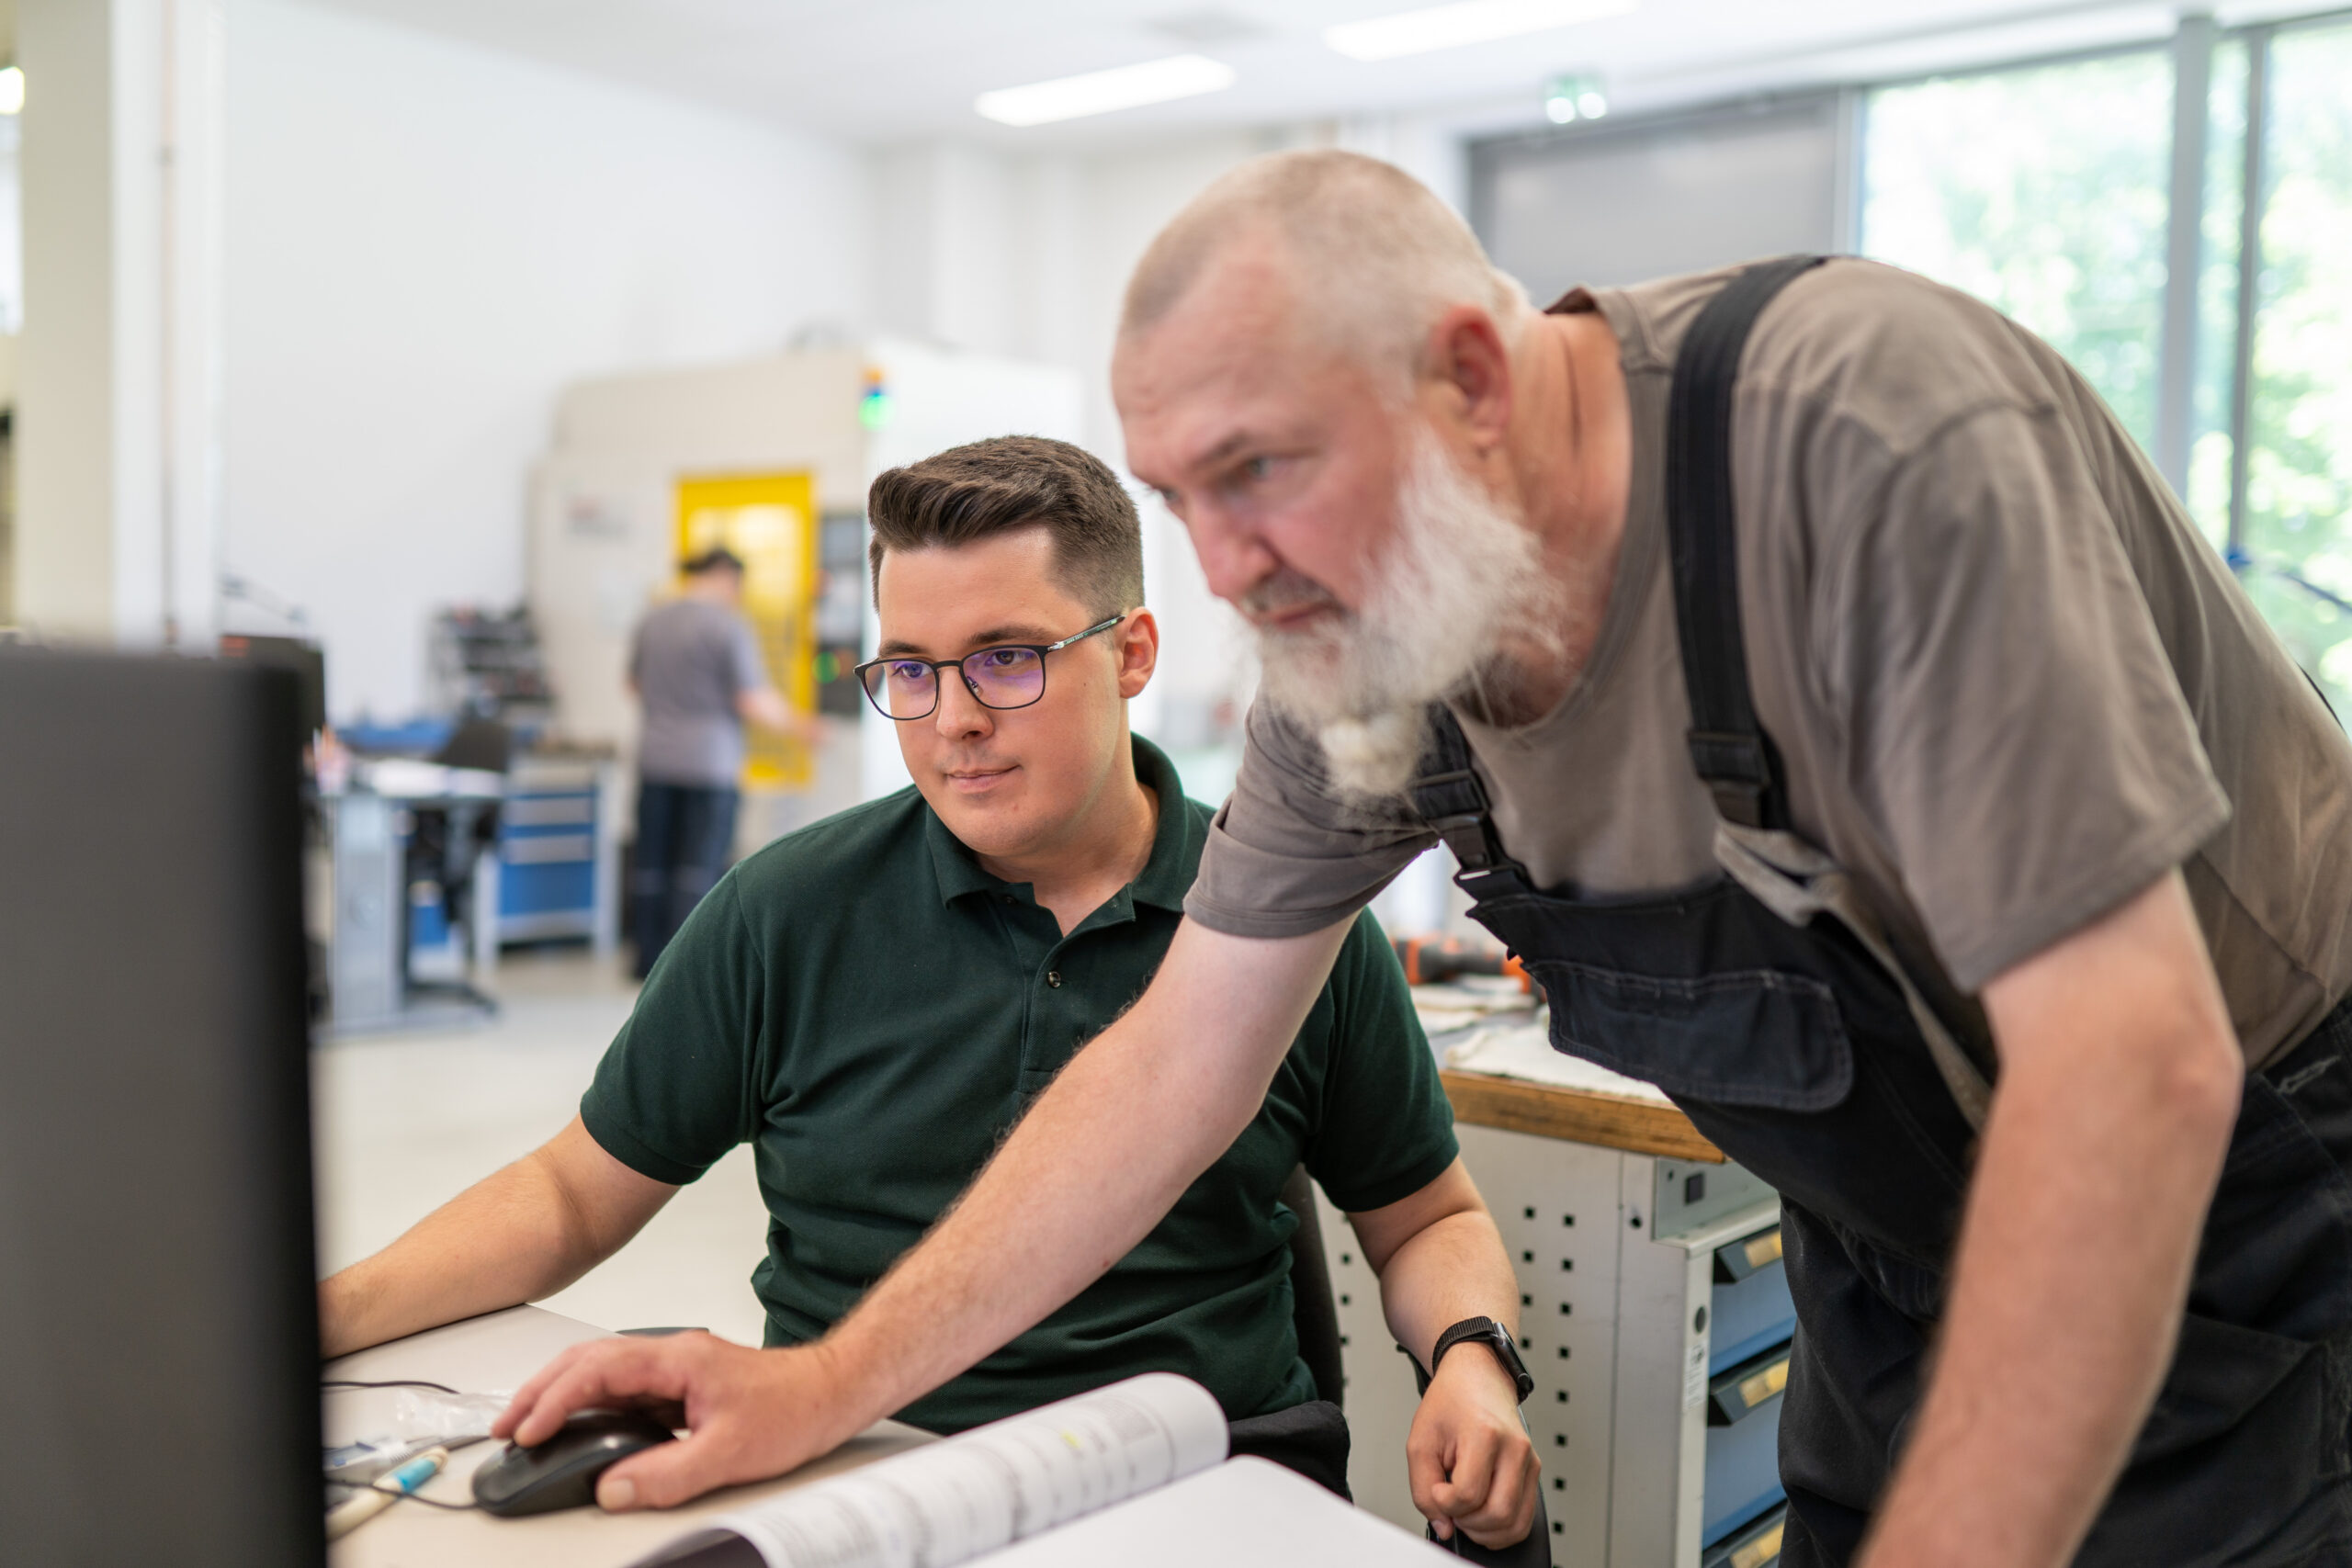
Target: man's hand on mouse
<point>750,1414</point>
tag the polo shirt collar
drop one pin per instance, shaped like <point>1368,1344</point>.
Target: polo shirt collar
<point>1167,876</point>
<point>1177,843</point>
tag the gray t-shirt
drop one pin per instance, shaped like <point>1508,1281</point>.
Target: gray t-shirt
<point>691,659</point>
<point>2010,682</point>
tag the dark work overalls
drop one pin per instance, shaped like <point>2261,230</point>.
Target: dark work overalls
<point>1767,1005</point>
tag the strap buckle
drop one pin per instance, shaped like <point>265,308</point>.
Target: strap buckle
<point>1453,805</point>
<point>1741,771</point>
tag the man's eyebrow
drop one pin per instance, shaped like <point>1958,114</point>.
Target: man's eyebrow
<point>1019,632</point>
<point>1223,449</point>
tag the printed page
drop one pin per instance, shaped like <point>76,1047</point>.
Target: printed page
<point>1241,1515</point>
<point>983,1489</point>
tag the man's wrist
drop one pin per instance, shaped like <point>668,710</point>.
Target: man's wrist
<point>847,1402</point>
<point>1486,1339</point>
<point>1474,1371</point>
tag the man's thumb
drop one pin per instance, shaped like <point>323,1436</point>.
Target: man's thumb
<point>661,1477</point>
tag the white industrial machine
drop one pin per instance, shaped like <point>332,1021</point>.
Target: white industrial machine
<point>771,457</point>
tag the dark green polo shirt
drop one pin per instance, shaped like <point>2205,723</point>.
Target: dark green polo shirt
<point>871,1010</point>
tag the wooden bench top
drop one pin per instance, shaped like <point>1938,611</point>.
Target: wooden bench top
<point>1583,1116</point>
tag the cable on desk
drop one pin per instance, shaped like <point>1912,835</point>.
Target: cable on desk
<point>428,1502</point>
<point>394,1383</point>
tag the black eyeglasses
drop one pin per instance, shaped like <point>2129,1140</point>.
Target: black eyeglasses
<point>1010,675</point>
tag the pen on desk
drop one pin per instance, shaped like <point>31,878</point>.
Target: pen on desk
<point>383,1492</point>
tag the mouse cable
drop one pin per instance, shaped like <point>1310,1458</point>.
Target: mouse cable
<point>394,1383</point>
<point>428,1502</point>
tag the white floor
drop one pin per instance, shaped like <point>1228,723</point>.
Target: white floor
<point>402,1123</point>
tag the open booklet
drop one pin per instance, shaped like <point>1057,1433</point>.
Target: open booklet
<point>955,1499</point>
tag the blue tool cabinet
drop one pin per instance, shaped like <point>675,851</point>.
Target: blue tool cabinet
<point>556,864</point>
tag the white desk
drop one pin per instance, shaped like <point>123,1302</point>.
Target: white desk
<point>499,1352</point>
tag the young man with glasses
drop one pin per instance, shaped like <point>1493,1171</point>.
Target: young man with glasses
<point>873,1002</point>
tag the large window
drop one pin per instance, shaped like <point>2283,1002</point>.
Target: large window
<point>2056,193</point>
<point>2042,191</point>
<point>2295,511</point>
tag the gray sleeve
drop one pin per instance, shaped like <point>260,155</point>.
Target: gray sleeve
<point>1284,857</point>
<point>2012,728</point>
<point>747,668</point>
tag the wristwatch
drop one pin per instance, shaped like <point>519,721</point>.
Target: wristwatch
<point>1494,1336</point>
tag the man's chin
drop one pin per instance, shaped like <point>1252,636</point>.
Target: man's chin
<point>975,811</point>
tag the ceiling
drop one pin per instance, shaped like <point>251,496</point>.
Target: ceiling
<point>887,70</point>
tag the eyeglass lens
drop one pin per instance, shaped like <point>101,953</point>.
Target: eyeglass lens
<point>997,677</point>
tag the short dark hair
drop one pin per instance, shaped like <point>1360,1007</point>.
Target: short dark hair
<point>1010,482</point>
<point>718,558</point>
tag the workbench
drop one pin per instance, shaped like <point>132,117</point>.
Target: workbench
<point>1654,1315</point>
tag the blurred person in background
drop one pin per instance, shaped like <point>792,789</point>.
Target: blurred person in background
<point>696,668</point>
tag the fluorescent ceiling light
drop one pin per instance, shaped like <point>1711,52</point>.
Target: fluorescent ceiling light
<point>12,90</point>
<point>1470,22</point>
<point>1100,92</point>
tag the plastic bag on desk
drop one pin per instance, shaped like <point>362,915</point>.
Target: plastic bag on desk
<point>421,1418</point>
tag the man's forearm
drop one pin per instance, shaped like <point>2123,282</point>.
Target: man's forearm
<point>2085,1213</point>
<point>510,1238</point>
<point>1100,1157</point>
<point>1451,1270</point>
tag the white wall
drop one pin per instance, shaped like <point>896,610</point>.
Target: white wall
<point>424,241</point>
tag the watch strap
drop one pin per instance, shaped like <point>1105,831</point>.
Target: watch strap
<point>1497,1339</point>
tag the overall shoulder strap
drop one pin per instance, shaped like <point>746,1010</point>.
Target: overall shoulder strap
<point>1450,799</point>
<point>1729,750</point>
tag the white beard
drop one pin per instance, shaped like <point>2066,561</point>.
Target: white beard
<point>1461,576</point>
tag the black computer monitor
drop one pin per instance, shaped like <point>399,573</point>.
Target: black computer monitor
<point>158,1328</point>
<point>308,664</point>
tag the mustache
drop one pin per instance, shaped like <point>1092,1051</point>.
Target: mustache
<point>1286,590</point>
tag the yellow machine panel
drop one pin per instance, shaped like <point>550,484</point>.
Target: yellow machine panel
<point>769,520</point>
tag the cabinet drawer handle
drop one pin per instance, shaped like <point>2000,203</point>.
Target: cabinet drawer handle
<point>1747,1388</point>
<point>1736,1260</point>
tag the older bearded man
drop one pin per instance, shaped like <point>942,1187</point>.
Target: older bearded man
<point>1830,702</point>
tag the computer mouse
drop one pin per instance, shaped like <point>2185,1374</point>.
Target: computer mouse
<point>561,1472</point>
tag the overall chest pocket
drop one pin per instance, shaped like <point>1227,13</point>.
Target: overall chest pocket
<point>1763,1038</point>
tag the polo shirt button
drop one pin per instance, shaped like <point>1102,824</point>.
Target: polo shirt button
<point>1054,978</point>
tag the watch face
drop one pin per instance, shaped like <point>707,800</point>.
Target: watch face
<point>1507,1352</point>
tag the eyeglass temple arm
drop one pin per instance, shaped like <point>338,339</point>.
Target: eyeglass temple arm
<point>1079,637</point>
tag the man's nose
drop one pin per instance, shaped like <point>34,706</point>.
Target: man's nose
<point>1232,556</point>
<point>960,715</point>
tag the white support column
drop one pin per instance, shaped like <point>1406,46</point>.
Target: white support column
<point>2177,365</point>
<point>117,420</point>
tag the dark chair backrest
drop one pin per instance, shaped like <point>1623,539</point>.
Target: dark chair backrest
<point>1313,1313</point>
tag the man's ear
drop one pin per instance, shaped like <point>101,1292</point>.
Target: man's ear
<point>1138,647</point>
<point>1469,375</point>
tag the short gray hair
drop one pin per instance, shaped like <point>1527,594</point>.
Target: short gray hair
<point>1377,258</point>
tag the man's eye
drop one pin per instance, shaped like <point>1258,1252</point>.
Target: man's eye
<point>909,672</point>
<point>1002,658</point>
<point>1259,467</point>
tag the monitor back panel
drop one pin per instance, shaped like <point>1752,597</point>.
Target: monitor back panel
<point>158,1335</point>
